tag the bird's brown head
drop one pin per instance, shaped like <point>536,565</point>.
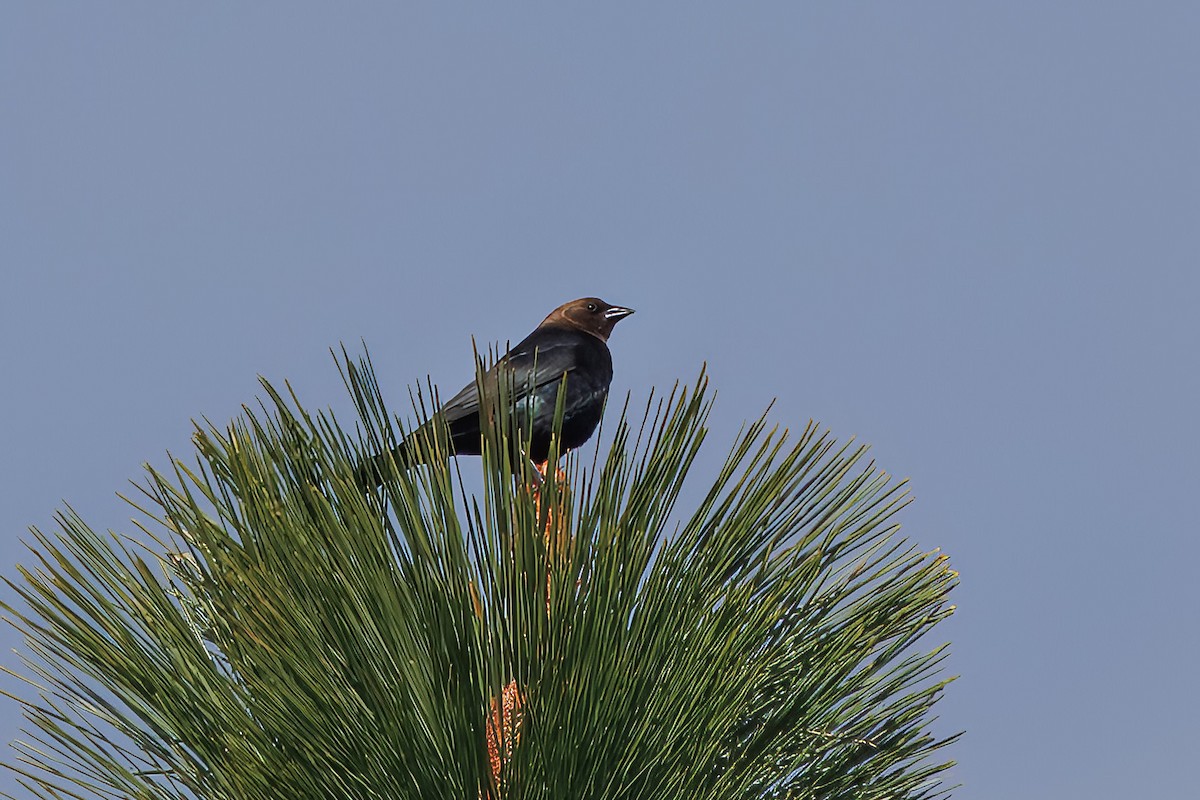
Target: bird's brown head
<point>590,314</point>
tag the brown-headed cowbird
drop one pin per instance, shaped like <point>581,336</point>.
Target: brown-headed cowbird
<point>572,341</point>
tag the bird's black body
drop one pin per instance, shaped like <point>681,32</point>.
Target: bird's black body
<point>572,341</point>
<point>536,367</point>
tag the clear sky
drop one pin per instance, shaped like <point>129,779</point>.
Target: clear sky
<point>966,233</point>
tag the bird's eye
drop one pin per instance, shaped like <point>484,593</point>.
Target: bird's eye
<point>592,308</point>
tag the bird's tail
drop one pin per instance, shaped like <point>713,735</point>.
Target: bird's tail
<point>370,473</point>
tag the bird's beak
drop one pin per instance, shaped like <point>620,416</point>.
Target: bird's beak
<point>617,312</point>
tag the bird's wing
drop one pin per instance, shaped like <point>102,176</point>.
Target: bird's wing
<point>531,365</point>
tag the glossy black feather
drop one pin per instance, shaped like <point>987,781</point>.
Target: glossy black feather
<point>571,342</point>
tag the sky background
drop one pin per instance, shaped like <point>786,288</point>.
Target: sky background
<point>966,234</point>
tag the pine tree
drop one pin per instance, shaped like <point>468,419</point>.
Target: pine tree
<point>273,631</point>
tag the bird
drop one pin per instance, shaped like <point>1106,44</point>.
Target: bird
<point>572,341</point>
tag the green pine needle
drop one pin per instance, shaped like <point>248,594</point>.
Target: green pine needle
<point>274,631</point>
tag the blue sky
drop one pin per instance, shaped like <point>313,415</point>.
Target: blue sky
<point>966,234</point>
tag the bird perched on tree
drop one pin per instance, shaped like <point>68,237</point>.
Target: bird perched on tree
<point>571,341</point>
